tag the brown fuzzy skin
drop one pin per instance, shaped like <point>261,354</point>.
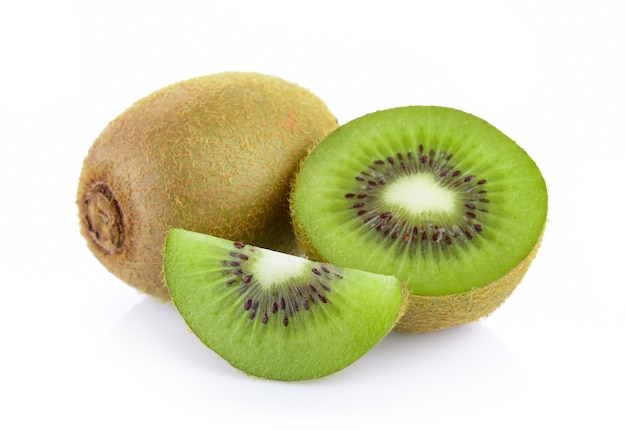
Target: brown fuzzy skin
<point>430,313</point>
<point>213,154</point>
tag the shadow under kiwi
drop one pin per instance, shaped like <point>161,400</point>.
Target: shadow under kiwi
<point>154,332</point>
<point>456,363</point>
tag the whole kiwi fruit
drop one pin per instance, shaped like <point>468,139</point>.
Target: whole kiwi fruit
<point>432,195</point>
<point>213,154</point>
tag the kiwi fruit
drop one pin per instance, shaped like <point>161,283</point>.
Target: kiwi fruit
<point>435,196</point>
<point>275,315</point>
<point>213,154</point>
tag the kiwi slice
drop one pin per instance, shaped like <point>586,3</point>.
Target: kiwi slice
<point>276,315</point>
<point>214,154</point>
<point>433,195</point>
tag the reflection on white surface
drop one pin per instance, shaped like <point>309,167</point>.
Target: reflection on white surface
<point>467,364</point>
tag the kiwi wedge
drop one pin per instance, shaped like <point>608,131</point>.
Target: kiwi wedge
<point>433,195</point>
<point>213,154</point>
<point>275,315</point>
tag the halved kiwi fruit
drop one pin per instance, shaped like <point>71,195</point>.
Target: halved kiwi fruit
<point>213,154</point>
<point>435,196</point>
<point>275,315</point>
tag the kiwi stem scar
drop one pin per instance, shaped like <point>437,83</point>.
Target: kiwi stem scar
<point>104,219</point>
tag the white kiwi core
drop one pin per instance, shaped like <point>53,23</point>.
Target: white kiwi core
<point>273,268</point>
<point>420,196</point>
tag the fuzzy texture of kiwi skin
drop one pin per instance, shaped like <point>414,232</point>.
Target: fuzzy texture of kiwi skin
<point>430,313</point>
<point>213,154</point>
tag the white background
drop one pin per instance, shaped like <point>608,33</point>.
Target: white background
<point>80,349</point>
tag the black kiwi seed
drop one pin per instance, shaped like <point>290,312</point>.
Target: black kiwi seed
<point>283,302</point>
<point>371,184</point>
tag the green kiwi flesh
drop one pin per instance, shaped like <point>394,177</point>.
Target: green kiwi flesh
<point>214,154</point>
<point>275,315</point>
<point>433,195</point>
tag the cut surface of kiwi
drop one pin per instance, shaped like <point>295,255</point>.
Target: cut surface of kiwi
<point>433,195</point>
<point>276,315</point>
<point>214,154</point>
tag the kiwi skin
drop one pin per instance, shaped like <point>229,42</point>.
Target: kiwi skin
<point>213,154</point>
<point>430,313</point>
